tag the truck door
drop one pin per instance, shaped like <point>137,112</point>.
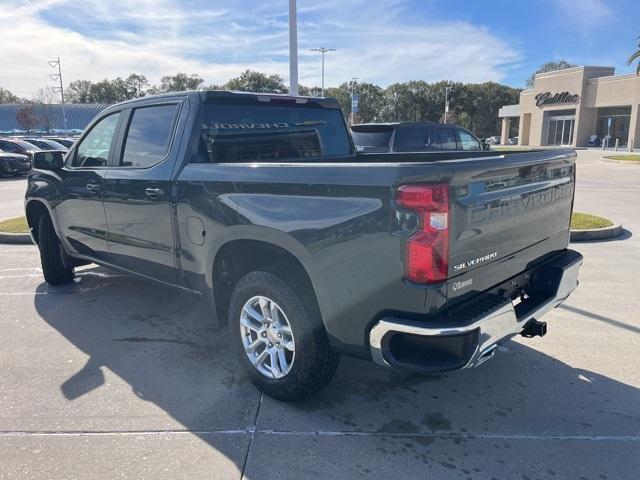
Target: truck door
<point>80,212</point>
<point>137,192</point>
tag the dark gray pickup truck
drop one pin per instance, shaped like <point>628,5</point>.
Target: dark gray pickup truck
<point>259,205</point>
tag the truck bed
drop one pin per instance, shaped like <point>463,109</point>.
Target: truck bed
<point>509,210</point>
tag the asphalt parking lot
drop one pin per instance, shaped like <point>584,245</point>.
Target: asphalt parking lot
<point>114,377</point>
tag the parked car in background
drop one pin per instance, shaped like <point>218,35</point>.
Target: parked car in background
<point>13,145</point>
<point>45,143</point>
<point>412,137</point>
<point>66,141</point>
<point>14,164</point>
<point>513,141</point>
<point>494,140</point>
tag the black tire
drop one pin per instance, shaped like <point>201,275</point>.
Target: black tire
<point>53,268</point>
<point>315,362</point>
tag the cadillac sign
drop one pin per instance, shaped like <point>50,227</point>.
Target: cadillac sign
<point>543,99</point>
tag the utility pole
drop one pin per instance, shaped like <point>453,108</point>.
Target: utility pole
<point>293,48</point>
<point>58,76</point>
<point>323,50</point>
<point>353,83</point>
<point>446,102</point>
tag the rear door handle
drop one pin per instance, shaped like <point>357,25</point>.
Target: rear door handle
<point>93,187</point>
<point>154,192</point>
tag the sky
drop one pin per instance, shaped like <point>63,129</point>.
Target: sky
<point>382,42</point>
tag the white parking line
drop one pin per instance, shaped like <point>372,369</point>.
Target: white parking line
<point>33,269</point>
<point>13,294</point>
<point>329,433</point>
<point>3,277</point>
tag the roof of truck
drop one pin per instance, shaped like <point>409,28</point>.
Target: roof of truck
<point>327,102</point>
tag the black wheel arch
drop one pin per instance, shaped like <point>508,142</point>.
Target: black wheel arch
<point>238,257</point>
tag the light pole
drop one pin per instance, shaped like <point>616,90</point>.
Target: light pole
<point>353,83</point>
<point>293,48</point>
<point>446,102</point>
<point>323,50</point>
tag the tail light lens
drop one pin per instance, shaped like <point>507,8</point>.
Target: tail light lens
<point>427,251</point>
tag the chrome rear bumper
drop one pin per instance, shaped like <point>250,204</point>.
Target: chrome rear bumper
<point>485,332</point>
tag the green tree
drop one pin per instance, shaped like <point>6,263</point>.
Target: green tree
<point>7,97</point>
<point>477,105</point>
<point>179,82</point>
<point>252,81</point>
<point>417,101</point>
<point>370,104</point>
<point>137,85</point>
<point>309,91</point>
<point>548,67</point>
<point>635,56</point>
<point>108,91</point>
<point>78,91</point>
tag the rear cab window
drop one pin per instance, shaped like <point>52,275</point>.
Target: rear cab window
<point>264,131</point>
<point>378,136</point>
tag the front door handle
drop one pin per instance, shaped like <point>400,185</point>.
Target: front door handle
<point>154,192</point>
<point>93,187</point>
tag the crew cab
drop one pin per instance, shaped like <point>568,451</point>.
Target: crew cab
<point>306,250</point>
<point>413,137</point>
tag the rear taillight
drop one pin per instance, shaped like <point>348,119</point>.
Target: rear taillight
<point>427,251</point>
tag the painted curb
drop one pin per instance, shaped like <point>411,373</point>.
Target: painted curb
<point>15,238</point>
<point>605,233</point>
<point>624,162</point>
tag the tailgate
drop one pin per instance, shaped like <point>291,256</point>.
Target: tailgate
<point>507,213</point>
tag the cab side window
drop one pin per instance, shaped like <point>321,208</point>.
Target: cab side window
<point>448,139</point>
<point>433,140</point>
<point>411,138</point>
<point>149,135</point>
<point>93,150</point>
<point>467,141</point>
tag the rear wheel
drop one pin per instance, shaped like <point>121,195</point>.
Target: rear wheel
<point>53,268</point>
<point>281,344</point>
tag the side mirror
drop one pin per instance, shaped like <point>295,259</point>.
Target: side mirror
<point>52,160</point>
<point>485,145</point>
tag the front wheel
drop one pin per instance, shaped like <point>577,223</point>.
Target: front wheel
<point>54,270</point>
<point>280,342</point>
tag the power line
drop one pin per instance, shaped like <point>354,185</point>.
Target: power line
<point>21,78</point>
<point>21,63</point>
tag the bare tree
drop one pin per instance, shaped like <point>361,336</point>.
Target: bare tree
<point>27,117</point>
<point>44,99</point>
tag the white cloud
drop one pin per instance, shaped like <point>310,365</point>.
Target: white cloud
<point>381,43</point>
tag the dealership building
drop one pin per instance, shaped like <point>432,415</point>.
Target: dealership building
<point>581,106</point>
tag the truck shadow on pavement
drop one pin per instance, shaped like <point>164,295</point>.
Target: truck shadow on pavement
<point>168,349</point>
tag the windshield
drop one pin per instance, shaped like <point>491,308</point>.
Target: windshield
<point>39,144</point>
<point>25,145</point>
<point>239,133</point>
<point>372,139</point>
<point>55,145</point>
